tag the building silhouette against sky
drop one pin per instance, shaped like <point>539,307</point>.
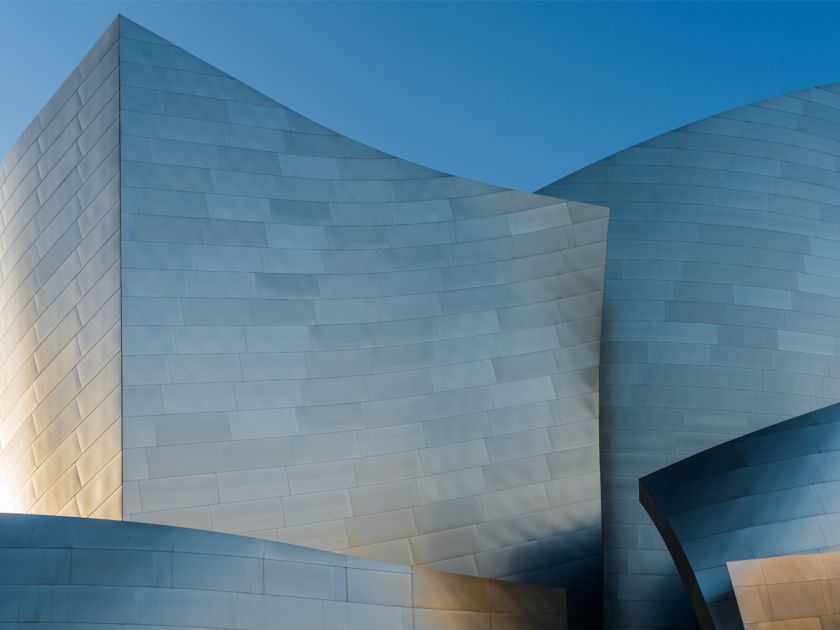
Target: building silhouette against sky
<point>219,315</point>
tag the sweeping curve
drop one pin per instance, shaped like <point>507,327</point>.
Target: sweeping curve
<point>721,308</point>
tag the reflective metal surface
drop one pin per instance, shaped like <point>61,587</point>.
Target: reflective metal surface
<point>60,427</point>
<point>721,308</point>
<point>103,574</point>
<point>769,493</point>
<point>328,346</point>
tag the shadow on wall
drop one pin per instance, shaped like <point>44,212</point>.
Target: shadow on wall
<point>581,555</point>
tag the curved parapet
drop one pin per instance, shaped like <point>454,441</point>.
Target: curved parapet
<point>770,493</point>
<point>60,429</point>
<point>798,591</point>
<point>721,307</point>
<point>328,346</point>
<point>56,571</point>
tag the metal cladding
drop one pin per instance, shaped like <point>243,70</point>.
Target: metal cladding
<point>721,308</point>
<point>103,574</point>
<point>327,346</point>
<point>770,493</point>
<point>294,337</point>
<point>60,428</point>
<point>800,591</point>
<point>311,341</point>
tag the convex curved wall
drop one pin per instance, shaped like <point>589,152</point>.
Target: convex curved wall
<point>97,574</point>
<point>721,308</point>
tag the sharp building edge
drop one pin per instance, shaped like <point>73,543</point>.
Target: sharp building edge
<point>721,309</point>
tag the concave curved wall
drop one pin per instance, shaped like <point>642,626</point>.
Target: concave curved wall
<point>60,429</point>
<point>332,347</point>
<point>773,492</point>
<point>721,308</point>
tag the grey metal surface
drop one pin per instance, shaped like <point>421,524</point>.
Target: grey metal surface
<point>721,308</point>
<point>770,493</point>
<point>57,571</point>
<point>60,428</point>
<point>332,347</point>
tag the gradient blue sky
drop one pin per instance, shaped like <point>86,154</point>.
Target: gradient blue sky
<point>516,94</point>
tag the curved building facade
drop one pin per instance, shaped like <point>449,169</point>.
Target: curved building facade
<point>101,574</point>
<point>721,308</point>
<point>771,493</point>
<point>220,315</point>
<point>328,346</point>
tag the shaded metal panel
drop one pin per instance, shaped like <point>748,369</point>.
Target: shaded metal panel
<point>683,566</point>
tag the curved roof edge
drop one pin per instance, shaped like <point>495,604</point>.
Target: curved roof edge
<point>780,109</point>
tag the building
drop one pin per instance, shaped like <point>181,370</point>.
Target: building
<point>255,341</point>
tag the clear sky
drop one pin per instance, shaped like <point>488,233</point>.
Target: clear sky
<point>516,94</point>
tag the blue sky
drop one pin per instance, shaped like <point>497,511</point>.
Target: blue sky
<point>516,94</point>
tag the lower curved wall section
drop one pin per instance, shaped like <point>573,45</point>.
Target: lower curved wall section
<point>55,571</point>
<point>794,592</point>
<point>769,493</point>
